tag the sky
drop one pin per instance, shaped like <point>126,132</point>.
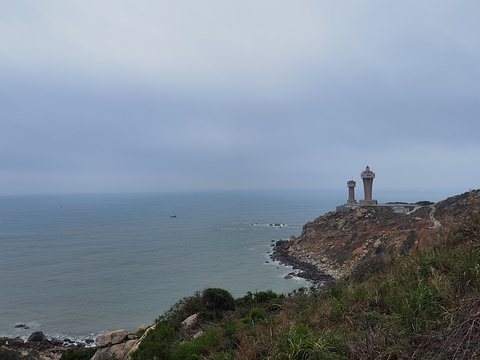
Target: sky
<point>147,96</point>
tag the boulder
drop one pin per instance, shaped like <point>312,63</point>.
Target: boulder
<point>117,351</point>
<point>56,342</point>
<point>22,326</point>
<point>189,321</point>
<point>111,338</point>
<point>37,336</point>
<point>142,328</point>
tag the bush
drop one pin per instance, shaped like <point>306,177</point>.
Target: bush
<point>194,349</point>
<point>218,300</point>
<point>6,354</point>
<point>77,354</point>
<point>258,297</point>
<point>157,344</point>
<point>258,314</point>
<point>185,307</point>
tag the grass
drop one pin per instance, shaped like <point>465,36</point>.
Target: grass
<point>423,304</point>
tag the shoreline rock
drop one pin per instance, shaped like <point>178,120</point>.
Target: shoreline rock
<point>37,347</point>
<point>307,271</point>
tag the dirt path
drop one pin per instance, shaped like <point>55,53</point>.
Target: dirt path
<point>436,223</point>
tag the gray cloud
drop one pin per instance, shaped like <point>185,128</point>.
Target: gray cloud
<point>148,97</point>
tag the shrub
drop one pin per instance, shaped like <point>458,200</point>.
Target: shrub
<point>218,300</point>
<point>158,343</point>
<point>185,307</point>
<point>6,354</point>
<point>258,314</point>
<point>77,354</point>
<point>258,297</point>
<point>194,349</point>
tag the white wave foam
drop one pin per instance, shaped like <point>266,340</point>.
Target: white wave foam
<point>270,225</point>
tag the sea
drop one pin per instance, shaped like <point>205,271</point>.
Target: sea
<point>79,265</point>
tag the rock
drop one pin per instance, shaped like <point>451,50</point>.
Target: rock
<point>189,321</point>
<point>198,334</point>
<point>89,341</point>
<point>142,328</point>
<point>57,342</point>
<point>15,342</point>
<point>118,351</point>
<point>111,338</point>
<point>37,336</point>
<point>22,326</point>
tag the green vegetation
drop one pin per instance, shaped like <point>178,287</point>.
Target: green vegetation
<point>6,354</point>
<point>424,305</point>
<point>78,354</point>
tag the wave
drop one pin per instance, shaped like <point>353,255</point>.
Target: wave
<point>271,225</point>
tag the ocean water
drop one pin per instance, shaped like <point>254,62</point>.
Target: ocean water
<point>78,266</point>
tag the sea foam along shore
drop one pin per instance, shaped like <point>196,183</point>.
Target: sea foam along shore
<point>23,330</point>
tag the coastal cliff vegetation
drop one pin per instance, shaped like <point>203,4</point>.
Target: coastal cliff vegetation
<point>424,304</point>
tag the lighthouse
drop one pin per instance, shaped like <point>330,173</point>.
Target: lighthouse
<point>368,177</point>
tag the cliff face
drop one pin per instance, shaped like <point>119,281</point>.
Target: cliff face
<point>336,242</point>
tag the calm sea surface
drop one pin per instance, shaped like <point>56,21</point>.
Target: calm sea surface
<point>80,265</point>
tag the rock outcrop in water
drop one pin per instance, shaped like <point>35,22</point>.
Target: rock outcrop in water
<point>335,243</point>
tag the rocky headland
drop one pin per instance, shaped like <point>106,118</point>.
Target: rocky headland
<point>333,245</point>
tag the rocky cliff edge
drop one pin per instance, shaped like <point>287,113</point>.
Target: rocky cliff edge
<point>335,243</point>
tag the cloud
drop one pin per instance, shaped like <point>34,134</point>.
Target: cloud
<point>216,94</point>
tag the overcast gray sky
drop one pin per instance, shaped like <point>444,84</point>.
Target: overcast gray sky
<point>155,95</point>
